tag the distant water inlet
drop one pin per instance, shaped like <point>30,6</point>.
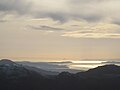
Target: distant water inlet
<point>85,65</point>
<point>80,65</point>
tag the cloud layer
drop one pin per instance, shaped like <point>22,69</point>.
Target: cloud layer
<point>45,28</point>
<point>97,31</point>
<point>89,10</point>
<point>64,11</point>
<point>14,6</point>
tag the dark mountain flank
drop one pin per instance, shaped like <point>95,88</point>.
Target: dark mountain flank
<point>14,76</point>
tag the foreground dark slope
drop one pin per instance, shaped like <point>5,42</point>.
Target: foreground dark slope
<point>16,77</point>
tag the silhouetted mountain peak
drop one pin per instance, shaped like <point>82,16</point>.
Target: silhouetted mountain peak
<point>14,69</point>
<point>6,61</point>
<point>9,68</point>
<point>109,66</point>
<point>106,69</point>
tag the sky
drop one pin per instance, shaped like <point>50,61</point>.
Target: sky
<point>59,29</point>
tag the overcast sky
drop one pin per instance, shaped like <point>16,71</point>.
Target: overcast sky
<point>60,29</point>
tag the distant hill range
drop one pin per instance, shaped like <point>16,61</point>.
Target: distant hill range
<point>10,67</point>
<point>14,76</point>
<point>51,66</point>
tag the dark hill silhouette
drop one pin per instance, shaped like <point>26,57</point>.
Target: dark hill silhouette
<point>14,76</point>
<point>10,64</point>
<point>10,70</point>
<point>6,62</point>
<point>100,71</point>
<point>106,69</point>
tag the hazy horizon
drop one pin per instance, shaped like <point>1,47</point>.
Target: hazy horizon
<point>67,65</point>
<point>59,59</point>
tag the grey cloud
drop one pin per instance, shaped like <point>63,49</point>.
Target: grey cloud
<point>2,21</point>
<point>25,7</point>
<point>65,10</point>
<point>89,10</point>
<point>75,25</point>
<point>88,31</point>
<point>18,6</point>
<point>56,16</point>
<point>116,21</point>
<point>45,28</point>
<point>92,18</point>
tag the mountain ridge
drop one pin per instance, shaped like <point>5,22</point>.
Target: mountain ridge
<point>105,77</point>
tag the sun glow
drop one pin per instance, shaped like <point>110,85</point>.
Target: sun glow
<point>85,62</point>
